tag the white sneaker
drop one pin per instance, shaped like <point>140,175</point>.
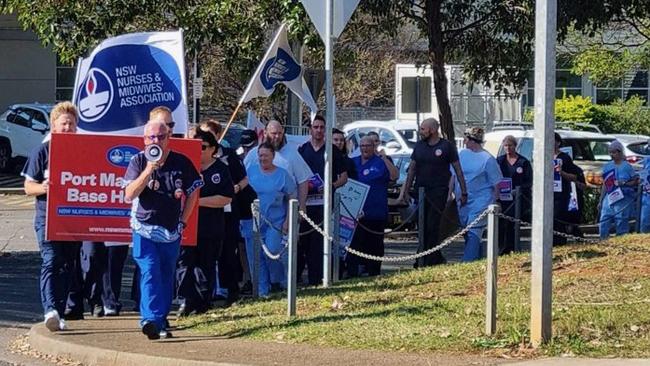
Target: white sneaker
<point>52,321</point>
<point>62,325</point>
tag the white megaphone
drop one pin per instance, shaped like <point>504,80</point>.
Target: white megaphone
<point>153,153</point>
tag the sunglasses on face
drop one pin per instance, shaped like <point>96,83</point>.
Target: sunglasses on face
<point>171,124</point>
<point>205,147</point>
<point>160,137</point>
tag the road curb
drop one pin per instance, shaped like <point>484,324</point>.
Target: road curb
<point>44,341</point>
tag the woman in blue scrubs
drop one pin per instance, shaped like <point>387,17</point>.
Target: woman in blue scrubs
<point>274,187</point>
<point>482,175</point>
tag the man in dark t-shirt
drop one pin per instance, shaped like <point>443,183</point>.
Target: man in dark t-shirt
<point>430,166</point>
<point>310,248</point>
<point>158,190</point>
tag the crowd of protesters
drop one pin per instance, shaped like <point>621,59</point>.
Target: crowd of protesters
<point>274,172</point>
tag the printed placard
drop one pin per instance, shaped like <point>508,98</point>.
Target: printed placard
<point>505,189</point>
<point>86,200</point>
<point>557,177</point>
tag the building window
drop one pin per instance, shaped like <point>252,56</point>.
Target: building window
<point>566,83</point>
<point>633,83</point>
<point>65,75</point>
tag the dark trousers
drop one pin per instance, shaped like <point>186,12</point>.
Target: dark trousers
<point>369,243</point>
<point>434,206</point>
<point>230,270</point>
<point>310,248</point>
<point>135,287</point>
<point>507,229</point>
<point>112,277</point>
<point>58,260</point>
<point>196,273</point>
<point>97,277</point>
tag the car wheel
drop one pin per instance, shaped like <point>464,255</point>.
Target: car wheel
<point>6,163</point>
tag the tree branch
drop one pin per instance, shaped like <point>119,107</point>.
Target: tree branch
<point>454,32</point>
<point>637,28</point>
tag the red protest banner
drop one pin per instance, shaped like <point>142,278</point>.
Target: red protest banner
<point>85,199</point>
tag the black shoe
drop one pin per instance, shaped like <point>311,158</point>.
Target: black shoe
<point>69,314</point>
<point>151,331</point>
<point>276,287</point>
<point>247,289</point>
<point>98,311</point>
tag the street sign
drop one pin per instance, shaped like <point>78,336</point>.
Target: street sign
<point>343,10</point>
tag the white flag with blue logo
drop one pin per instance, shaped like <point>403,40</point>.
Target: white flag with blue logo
<point>125,77</point>
<point>279,66</point>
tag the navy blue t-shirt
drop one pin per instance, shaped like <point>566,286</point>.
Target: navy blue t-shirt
<point>216,179</point>
<point>375,174</point>
<point>432,163</point>
<point>36,169</point>
<point>316,161</point>
<point>162,206</point>
<point>237,173</point>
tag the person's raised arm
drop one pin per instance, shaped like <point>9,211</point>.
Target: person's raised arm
<point>136,186</point>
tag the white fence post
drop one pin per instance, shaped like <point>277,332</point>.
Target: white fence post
<point>491,271</point>
<point>293,258</point>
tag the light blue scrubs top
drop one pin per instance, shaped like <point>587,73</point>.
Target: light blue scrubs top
<point>482,173</point>
<point>271,190</point>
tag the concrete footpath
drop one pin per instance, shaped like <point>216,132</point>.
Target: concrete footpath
<point>118,341</point>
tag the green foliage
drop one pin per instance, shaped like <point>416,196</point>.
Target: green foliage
<point>630,116</point>
<point>603,65</point>
<point>574,109</point>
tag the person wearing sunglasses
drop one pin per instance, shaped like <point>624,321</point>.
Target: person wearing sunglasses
<point>163,193</point>
<point>196,269</point>
<point>617,193</point>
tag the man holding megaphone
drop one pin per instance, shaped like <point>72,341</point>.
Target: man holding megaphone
<point>163,186</point>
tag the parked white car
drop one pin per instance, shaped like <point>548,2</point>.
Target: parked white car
<point>22,128</point>
<point>397,137</point>
<point>636,147</point>
<point>589,150</point>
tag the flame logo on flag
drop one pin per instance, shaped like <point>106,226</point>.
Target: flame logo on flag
<point>96,96</point>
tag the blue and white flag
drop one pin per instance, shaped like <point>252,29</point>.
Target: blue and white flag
<point>279,66</point>
<point>127,76</point>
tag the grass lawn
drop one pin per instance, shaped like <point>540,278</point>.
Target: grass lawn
<point>601,308</point>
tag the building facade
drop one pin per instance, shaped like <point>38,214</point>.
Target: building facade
<point>29,72</point>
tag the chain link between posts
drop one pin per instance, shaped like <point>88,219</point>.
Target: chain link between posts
<point>273,256</point>
<point>405,258</point>
<point>445,243</point>
<point>557,233</point>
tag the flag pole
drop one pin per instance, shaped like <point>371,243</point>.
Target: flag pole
<point>232,118</point>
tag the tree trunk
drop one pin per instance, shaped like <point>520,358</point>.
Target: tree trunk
<point>437,61</point>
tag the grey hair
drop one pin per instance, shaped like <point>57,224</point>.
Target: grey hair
<point>616,145</point>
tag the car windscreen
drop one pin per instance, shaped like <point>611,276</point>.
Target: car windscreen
<point>640,148</point>
<point>410,136</point>
<point>588,149</point>
<point>580,149</point>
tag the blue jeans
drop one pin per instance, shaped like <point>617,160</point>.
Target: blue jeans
<point>619,213</point>
<point>157,263</point>
<point>58,258</point>
<point>645,213</point>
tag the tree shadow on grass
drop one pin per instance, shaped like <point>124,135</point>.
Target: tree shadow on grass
<point>583,254</point>
<point>339,316</point>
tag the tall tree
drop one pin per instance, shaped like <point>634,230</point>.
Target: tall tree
<point>492,39</point>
